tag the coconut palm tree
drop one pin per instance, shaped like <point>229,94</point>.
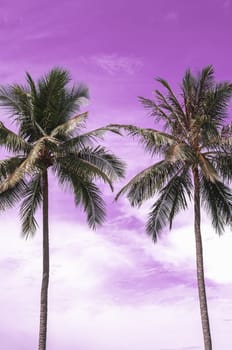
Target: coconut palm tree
<point>196,162</point>
<point>49,138</point>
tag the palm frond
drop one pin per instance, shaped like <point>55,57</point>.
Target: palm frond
<point>56,102</point>
<point>86,194</point>
<point>87,139</point>
<point>176,107</point>
<point>205,82</point>
<point>158,111</point>
<point>180,152</point>
<point>32,195</point>
<point>223,164</point>
<point>217,200</point>
<point>11,196</point>
<point>31,165</point>
<point>154,141</point>
<point>9,165</point>
<point>217,101</point>
<point>148,182</point>
<point>12,141</point>
<point>226,131</point>
<point>104,160</point>
<point>171,201</point>
<point>207,168</point>
<point>71,125</point>
<point>90,197</point>
<point>77,166</point>
<point>13,98</point>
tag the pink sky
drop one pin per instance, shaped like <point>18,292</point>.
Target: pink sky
<point>113,289</point>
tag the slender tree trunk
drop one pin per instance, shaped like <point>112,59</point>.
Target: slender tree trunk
<point>45,280</point>
<point>200,264</point>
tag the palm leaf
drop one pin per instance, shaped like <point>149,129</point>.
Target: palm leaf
<point>171,201</point>
<point>207,168</point>
<point>90,197</point>
<point>86,194</point>
<point>157,111</point>
<point>180,152</point>
<point>69,126</point>
<point>81,167</point>
<point>217,199</point>
<point>30,165</point>
<point>32,200</point>
<point>145,184</point>
<point>217,101</point>
<point>8,166</point>
<point>222,163</point>
<point>12,141</point>
<point>104,160</point>
<point>87,139</point>
<point>11,196</point>
<point>154,141</point>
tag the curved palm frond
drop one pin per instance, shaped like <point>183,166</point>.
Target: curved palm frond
<point>14,98</point>
<point>217,200</point>
<point>81,167</point>
<point>145,184</point>
<point>216,102</point>
<point>158,110</point>
<point>171,201</point>
<point>12,141</point>
<point>86,194</point>
<point>104,160</point>
<point>223,164</point>
<point>226,131</point>
<point>207,168</point>
<point>180,152</point>
<point>10,196</point>
<point>90,197</point>
<point>56,101</point>
<point>9,165</point>
<point>32,195</point>
<point>154,141</point>
<point>205,82</point>
<point>71,125</point>
<point>31,165</point>
<point>87,139</point>
<point>171,102</point>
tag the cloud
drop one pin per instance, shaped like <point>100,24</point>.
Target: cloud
<point>226,4</point>
<point>172,16</point>
<point>38,36</point>
<point>110,282</point>
<point>114,64</point>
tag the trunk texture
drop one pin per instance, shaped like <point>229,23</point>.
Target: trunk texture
<point>45,279</point>
<point>200,264</point>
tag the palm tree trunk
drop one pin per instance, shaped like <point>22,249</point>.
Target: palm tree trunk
<point>45,280</point>
<point>200,264</point>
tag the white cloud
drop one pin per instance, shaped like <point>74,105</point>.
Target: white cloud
<point>226,4</point>
<point>172,16</point>
<point>114,64</point>
<point>82,261</point>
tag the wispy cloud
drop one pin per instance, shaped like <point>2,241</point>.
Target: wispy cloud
<point>171,16</point>
<point>114,64</point>
<point>226,4</point>
<point>38,36</point>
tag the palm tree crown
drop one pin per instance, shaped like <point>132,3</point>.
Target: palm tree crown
<point>193,138</point>
<point>196,149</point>
<point>49,137</point>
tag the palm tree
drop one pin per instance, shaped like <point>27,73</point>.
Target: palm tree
<point>196,162</point>
<point>49,138</point>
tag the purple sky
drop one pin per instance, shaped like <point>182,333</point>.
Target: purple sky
<point>113,289</point>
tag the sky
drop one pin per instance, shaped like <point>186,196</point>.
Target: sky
<point>113,288</point>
